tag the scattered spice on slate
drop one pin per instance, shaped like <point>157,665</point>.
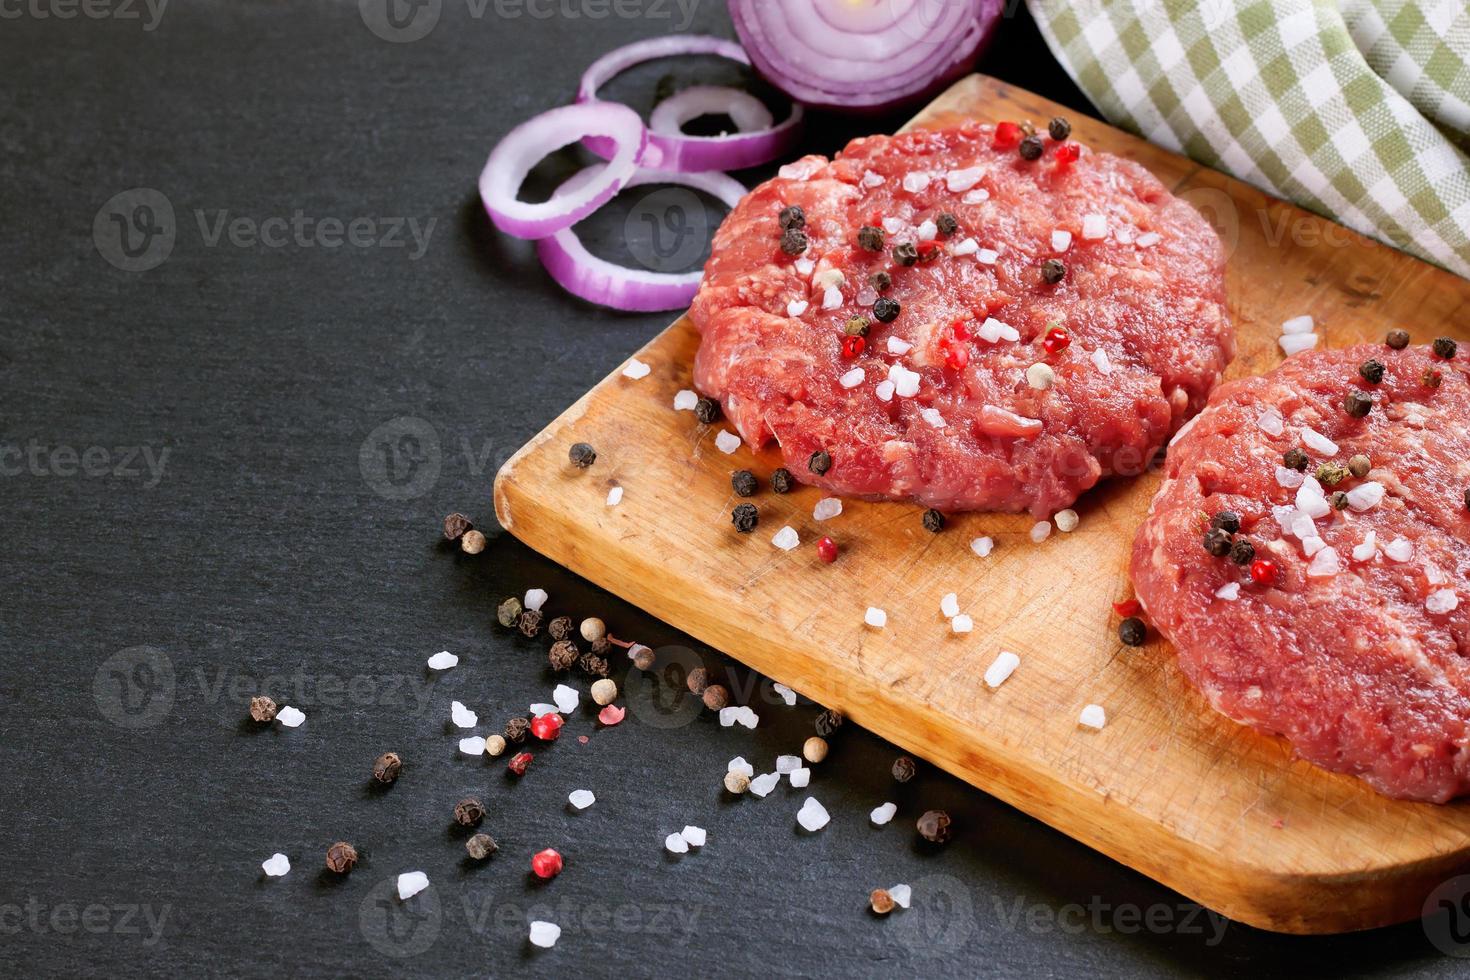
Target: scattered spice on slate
<point>814,749</point>
<point>934,826</point>
<point>933,521</point>
<point>1444,347</point>
<point>494,745</point>
<point>880,281</point>
<point>1338,500</point>
<point>546,727</point>
<point>468,812</point>
<point>1331,474</point>
<point>481,846</point>
<point>642,656</point>
<point>582,455</point>
<point>745,517</point>
<point>716,697</point>
<point>1242,552</point>
<point>828,722</point>
<point>1294,459</point>
<point>880,901</point>
<point>518,763</point>
<point>387,767</point>
<point>563,655</point>
<point>601,646</point>
<point>604,692</point>
<point>947,224</point>
<point>792,216</point>
<point>1359,465</point>
<point>1227,521</point>
<point>1371,370</point>
<point>1059,128</point>
<point>819,462</point>
<point>697,680</point>
<point>1031,148</point>
<point>793,241</point>
<point>262,708</point>
<point>530,623</point>
<point>707,410</point>
<point>560,628</point>
<point>546,864</point>
<point>1397,339</point>
<point>1132,632</point>
<point>341,857</point>
<point>592,629</point>
<point>1357,404</point>
<point>886,310</point>
<point>515,730</point>
<point>455,525</point>
<point>1431,378</point>
<point>870,238</point>
<point>904,769</point>
<point>1053,271</point>
<point>1217,542</point>
<point>593,665</point>
<point>743,483</point>
<point>472,543</point>
<point>905,254</point>
<point>508,613</point>
<point>781,481</point>
<point>856,327</point>
<point>736,781</point>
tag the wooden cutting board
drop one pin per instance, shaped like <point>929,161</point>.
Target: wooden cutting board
<point>1168,787</point>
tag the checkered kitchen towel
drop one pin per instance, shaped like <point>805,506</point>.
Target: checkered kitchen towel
<point>1358,109</point>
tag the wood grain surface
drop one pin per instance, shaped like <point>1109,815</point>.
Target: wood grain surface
<point>1220,813</point>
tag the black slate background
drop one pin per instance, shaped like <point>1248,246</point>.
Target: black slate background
<point>139,614</point>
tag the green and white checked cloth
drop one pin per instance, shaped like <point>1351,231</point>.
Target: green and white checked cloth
<point>1358,110</point>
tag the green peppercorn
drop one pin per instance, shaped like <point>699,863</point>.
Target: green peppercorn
<point>933,521</point>
<point>947,224</point>
<point>1217,542</point>
<point>1357,404</point>
<point>905,254</point>
<point>1371,370</point>
<point>1397,339</point>
<point>781,480</point>
<point>1331,474</point>
<point>1227,521</point>
<point>1338,500</point>
<point>508,613</point>
<point>793,241</point>
<point>1444,347</point>
<point>745,517</point>
<point>870,238</point>
<point>1132,632</point>
<point>1359,465</point>
<point>792,216</point>
<point>1294,459</point>
<point>856,327</point>
<point>886,310</point>
<point>1031,148</point>
<point>1431,378</point>
<point>819,462</point>
<point>582,455</point>
<point>1059,128</point>
<point>880,281</point>
<point>707,410</point>
<point>743,483</point>
<point>1242,552</point>
<point>1053,271</point>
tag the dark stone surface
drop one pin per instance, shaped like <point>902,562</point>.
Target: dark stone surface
<point>321,409</point>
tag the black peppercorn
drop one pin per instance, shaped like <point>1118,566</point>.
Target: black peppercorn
<point>1132,632</point>
<point>933,521</point>
<point>1217,542</point>
<point>468,812</point>
<point>1397,339</point>
<point>1338,500</point>
<point>1242,552</point>
<point>1359,465</point>
<point>1030,148</point>
<point>819,462</point>
<point>563,655</point>
<point>743,483</point>
<point>341,857</point>
<point>707,410</point>
<point>934,826</point>
<point>870,238</point>
<point>582,455</point>
<point>601,646</point>
<point>886,310</point>
<point>594,665</point>
<point>481,846</point>
<point>793,241</point>
<point>745,517</point>
<point>1444,347</point>
<point>1331,474</point>
<point>455,525</point>
<point>856,327</point>
<point>530,623</point>
<point>515,730</point>
<point>904,769</point>
<point>792,216</point>
<point>387,767</point>
<point>947,224</point>
<point>781,480</point>
<point>1357,404</point>
<point>829,721</point>
<point>1294,459</point>
<point>1053,271</point>
<point>561,627</point>
<point>1059,128</point>
<point>1371,370</point>
<point>880,281</point>
<point>1227,521</point>
<point>905,253</point>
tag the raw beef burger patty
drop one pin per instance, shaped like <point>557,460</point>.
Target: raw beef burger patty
<point>937,406</point>
<point>1356,650</point>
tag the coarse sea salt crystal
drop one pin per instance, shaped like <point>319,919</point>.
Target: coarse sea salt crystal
<point>905,382</point>
<point>1366,495</point>
<point>915,182</point>
<point>826,509</point>
<point>544,934</point>
<point>291,717</point>
<point>636,369</point>
<point>1040,531</point>
<point>982,546</point>
<point>959,181</point>
<point>932,416</point>
<point>804,266</point>
<point>787,694</point>
<point>1093,716</point>
<point>615,496</point>
<point>950,605</point>
<point>1230,591</point>
<point>685,400</point>
<point>1312,499</point>
<point>962,623</point>
<point>1067,520</point>
<point>1434,575</point>
<point>1094,226</point>
<point>967,247</point>
<point>693,836</point>
<point>535,599</point>
<point>812,816</point>
<point>976,196</point>
<point>1298,324</point>
<point>883,813</point>
<point>899,346</point>
<point>927,230</point>
<point>1364,551</point>
<point>676,844</point>
<point>893,225</point>
<point>410,883</point>
<point>726,441</point>
<point>1061,240</point>
<point>1399,549</point>
<point>787,763</point>
<point>738,764</point>
<point>1002,667</point>
<point>567,698</point>
<point>1148,239</point>
<point>728,715</point>
<point>443,660</point>
<point>831,298</point>
<point>1312,544</point>
<point>581,798</point>
<point>1101,362</point>
<point>1124,235</point>
<point>796,307</point>
<point>542,708</point>
<point>987,256</point>
<point>474,745</point>
<point>764,783</point>
<point>1296,342</point>
<point>1289,478</point>
<point>786,538</point>
<point>867,296</point>
<point>884,391</point>
<point>1324,564</point>
<point>1316,440</point>
<point>461,716</point>
<point>871,179</point>
<point>1271,422</point>
<point>1441,602</point>
<point>800,777</point>
<point>902,895</point>
<point>747,717</point>
<point>276,865</point>
<point>852,378</point>
<point>875,617</point>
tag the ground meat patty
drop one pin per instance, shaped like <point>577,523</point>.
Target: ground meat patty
<point>937,406</point>
<point>1357,651</point>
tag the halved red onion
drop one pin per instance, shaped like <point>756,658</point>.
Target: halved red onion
<point>867,55</point>
<point>679,151</point>
<point>596,280</point>
<point>525,146</point>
